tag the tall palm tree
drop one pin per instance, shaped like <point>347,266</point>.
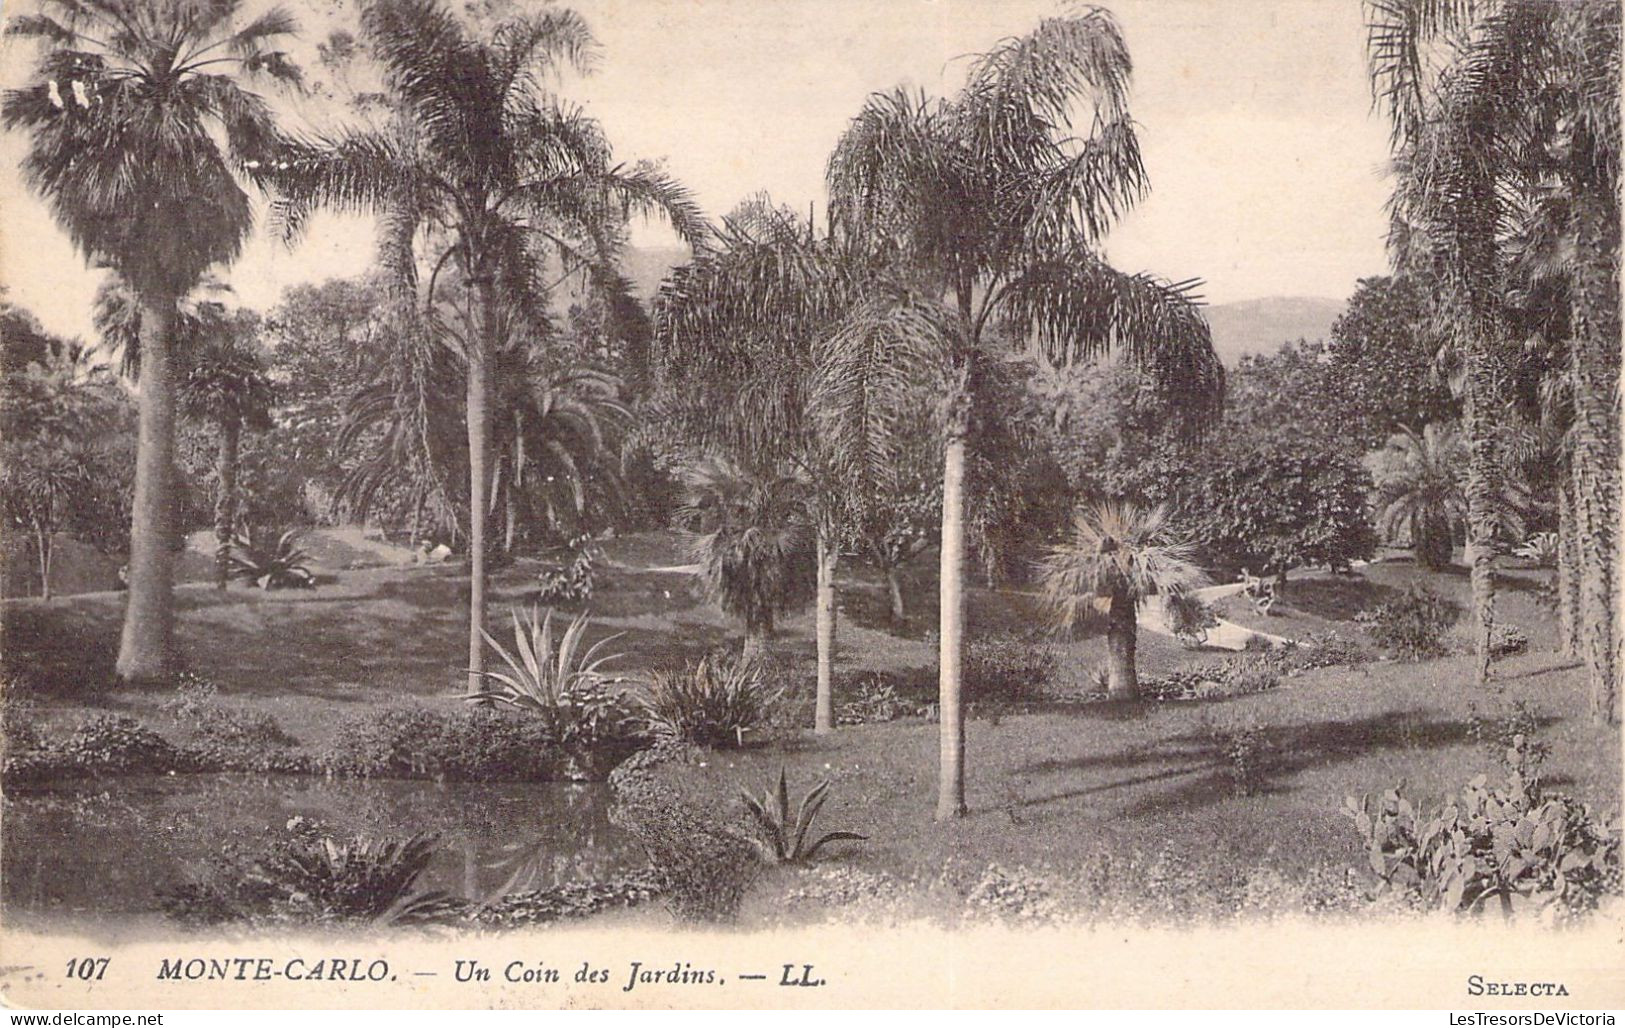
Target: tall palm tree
<point>1419,490</point>
<point>751,537</point>
<point>738,334</point>
<point>127,109</point>
<point>996,208</point>
<point>226,386</point>
<point>1491,102</point>
<point>1117,555</point>
<point>491,173</point>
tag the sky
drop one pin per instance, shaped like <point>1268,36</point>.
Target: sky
<point>1265,159</point>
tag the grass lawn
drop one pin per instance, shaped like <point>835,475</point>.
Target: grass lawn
<point>1049,787</point>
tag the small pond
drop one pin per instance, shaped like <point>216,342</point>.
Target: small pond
<point>108,846</point>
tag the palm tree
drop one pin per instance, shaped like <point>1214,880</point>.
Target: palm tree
<point>1118,554</point>
<point>226,385</point>
<point>490,171</point>
<point>752,542</point>
<point>122,110</point>
<point>1419,490</point>
<point>996,209</point>
<point>736,335</point>
<point>1493,103</point>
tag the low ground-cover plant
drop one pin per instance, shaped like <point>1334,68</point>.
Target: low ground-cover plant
<point>1507,640</point>
<point>570,900</point>
<point>1254,670</point>
<point>783,834</point>
<point>1412,625</point>
<point>710,702</point>
<point>270,560</point>
<point>1505,848</point>
<point>308,876</point>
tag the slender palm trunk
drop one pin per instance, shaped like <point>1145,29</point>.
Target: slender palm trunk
<point>1594,356</point>
<point>225,504</point>
<point>479,450</point>
<point>1123,681</point>
<point>145,644</point>
<point>758,644</point>
<point>824,714</point>
<point>894,588</point>
<point>951,766</point>
<point>1482,479</point>
<point>42,545</point>
<point>1568,568</point>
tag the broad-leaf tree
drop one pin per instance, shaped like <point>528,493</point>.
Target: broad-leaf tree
<point>994,203</point>
<point>141,129</point>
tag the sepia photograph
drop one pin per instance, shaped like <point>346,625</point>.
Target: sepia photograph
<point>821,503</point>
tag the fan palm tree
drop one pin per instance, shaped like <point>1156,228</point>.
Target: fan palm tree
<point>122,110</point>
<point>1117,555</point>
<point>752,540</point>
<point>994,203</point>
<point>226,385</point>
<point>1491,103</point>
<point>1419,490</point>
<point>493,173</point>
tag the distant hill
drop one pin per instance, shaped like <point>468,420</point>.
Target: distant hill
<point>1241,328</point>
<point>1261,326</point>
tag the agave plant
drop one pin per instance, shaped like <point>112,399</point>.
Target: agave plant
<point>781,836</point>
<point>542,675</point>
<point>271,564</point>
<point>1540,548</point>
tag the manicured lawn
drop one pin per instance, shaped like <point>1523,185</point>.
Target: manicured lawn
<point>1051,787</point>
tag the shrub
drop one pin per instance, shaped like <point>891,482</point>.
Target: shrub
<point>460,745</point>
<point>712,702</point>
<point>18,727</point>
<point>271,561</point>
<point>572,899</point>
<point>1413,624</point>
<point>782,835</point>
<point>310,877</point>
<point>109,742</point>
<point>1244,749</point>
<point>872,699</point>
<point>208,723</point>
<point>1007,668</point>
<point>1503,846</point>
<point>704,868</point>
<point>1015,893</point>
<point>569,580</point>
<point>1507,640</point>
<point>1189,616</point>
<point>1509,738</point>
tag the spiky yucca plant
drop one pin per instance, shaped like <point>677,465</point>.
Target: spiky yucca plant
<point>271,563</point>
<point>782,834</point>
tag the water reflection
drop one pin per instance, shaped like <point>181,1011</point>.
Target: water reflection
<point>110,846</point>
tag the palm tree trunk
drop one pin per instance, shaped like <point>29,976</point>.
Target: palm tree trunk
<point>951,765</point>
<point>1482,478</point>
<point>1568,569</point>
<point>824,714</point>
<point>1123,681</point>
<point>42,543</point>
<point>1594,356</point>
<point>894,587</point>
<point>479,449</point>
<point>225,503</point>
<point>758,645</point>
<point>145,644</point>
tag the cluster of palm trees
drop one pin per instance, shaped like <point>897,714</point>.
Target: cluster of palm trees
<point>1506,141</point>
<point>146,138</point>
<point>960,231</point>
